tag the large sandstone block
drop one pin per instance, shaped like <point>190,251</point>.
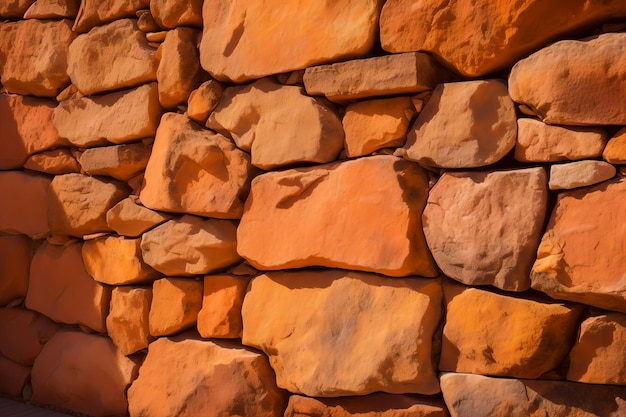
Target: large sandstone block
<point>26,211</point>
<point>579,174</point>
<point>15,254</point>
<point>566,82</point>
<point>83,373</point>
<point>581,256</point>
<point>130,218</point>
<point>368,209</point>
<point>127,322</point>
<point>14,8</point>
<point>23,333</point>
<point>52,9</point>
<point>235,32</point>
<point>13,377</point>
<point>175,305</point>
<point>222,299</point>
<point>485,227</point>
<point>193,170</point>
<point>121,162</point>
<point>61,289</point>
<point>55,162</point>
<point>478,39</point>
<point>170,14</point>
<point>98,12</point>
<point>120,117</point>
<point>233,380</point>
<point>279,125</point>
<point>344,317</point>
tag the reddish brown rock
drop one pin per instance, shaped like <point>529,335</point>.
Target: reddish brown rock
<point>27,210</point>
<point>14,8</point>
<point>581,256</point>
<point>52,9</point>
<point>130,218</point>
<point>235,31</point>
<point>484,227</point>
<point>120,117</point>
<point>220,315</point>
<point>61,289</point>
<point>170,14</point>
<point>464,125</point>
<point>579,174</point>
<point>23,333</point>
<point>56,162</point>
<point>83,373</point>
<point>566,82</point>
<point>176,303</point>
<point>15,254</point>
<point>478,39</point>
<point>615,151</point>
<point>203,100</point>
<point>145,21</point>
<point>279,125</point>
<point>127,322</point>
<point>98,12</point>
<point>77,204</point>
<point>13,377</point>
<point>191,246</point>
<point>121,162</point>
<point>233,380</point>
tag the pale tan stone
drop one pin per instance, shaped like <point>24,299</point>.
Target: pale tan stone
<point>193,170</point>
<point>203,100</point>
<point>579,174</point>
<point>15,254</point>
<point>23,333</point>
<point>127,322</point>
<point>56,162</point>
<point>98,12</point>
<point>191,245</point>
<point>368,209</point>
<point>157,37</point>
<point>26,211</point>
<point>170,14</point>
<point>14,8</point>
<point>567,83</point>
<point>293,35</point>
<point>220,316</point>
<point>121,162</point>
<point>175,305</point>
<point>120,117</point>
<point>615,151</point>
<point>13,377</point>
<point>52,9</point>
<point>279,125</point>
<point>130,218</point>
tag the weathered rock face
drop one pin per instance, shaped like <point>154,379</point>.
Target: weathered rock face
<point>27,210</point>
<point>329,312</point>
<point>501,32</point>
<point>15,253</point>
<point>175,305</point>
<point>203,100</point>
<point>369,210</point>
<point>14,8</point>
<point>234,32</point>
<point>220,315</point>
<point>84,373</point>
<point>56,162</point>
<point>581,256</point>
<point>579,174</point>
<point>193,170</point>
<point>52,9</point>
<point>121,162</point>
<point>127,322</point>
<point>23,333</point>
<point>615,151</point>
<point>464,125</point>
<point>279,125</point>
<point>14,377</point>
<point>98,12</point>
<point>170,14</point>
<point>484,227</point>
<point>561,86</point>
<point>130,218</point>
<point>233,380</point>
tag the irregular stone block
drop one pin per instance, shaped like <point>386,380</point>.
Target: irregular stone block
<point>485,227</point>
<point>15,254</point>
<point>56,162</point>
<point>176,303</point>
<point>14,8</point>
<point>464,125</point>
<point>13,377</point>
<point>579,174</point>
<point>52,9</point>
<point>279,125</point>
<point>566,82</point>
<point>220,315</point>
<point>121,162</point>
<point>170,14</point>
<point>203,100</point>
<point>23,333</point>
<point>127,322</point>
<point>235,31</point>
<point>369,209</point>
<point>130,218</point>
<point>333,313</point>
<point>193,170</point>
<point>581,256</point>
<point>83,373</point>
<point>145,22</point>
<point>615,151</point>
<point>98,12</point>
<point>26,212</point>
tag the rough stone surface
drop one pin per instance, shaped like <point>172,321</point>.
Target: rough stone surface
<point>615,151</point>
<point>98,12</point>
<point>14,8</point>
<point>233,380</point>
<point>127,322</point>
<point>176,303</point>
<point>220,315</point>
<point>279,125</point>
<point>581,256</point>
<point>33,57</point>
<point>484,227</point>
<point>121,162</point>
<point>146,22</point>
<point>84,373</point>
<point>191,246</point>
<point>170,14</point>
<point>235,31</point>
<point>14,377</point>
<point>464,125</point>
<point>332,314</point>
<point>15,254</point>
<point>27,210</point>
<point>478,39</point>
<point>203,100</point>
<point>465,396</point>
<point>23,333</point>
<point>120,117</point>
<point>61,289</point>
<point>130,218</point>
<point>56,162</point>
<point>193,170</point>
<point>52,9</point>
<point>579,174</point>
<point>77,204</point>
<point>539,142</point>
<point>369,210</point>
<point>567,83</point>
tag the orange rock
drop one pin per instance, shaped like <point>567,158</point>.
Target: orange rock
<point>369,210</point>
<point>176,303</point>
<point>581,256</point>
<point>579,174</point>
<point>615,151</point>
<point>566,82</point>
<point>279,125</point>
<point>83,373</point>
<point>56,162</point>
<point>121,162</point>
<point>478,39</point>
<point>23,333</point>
<point>170,14</point>
<point>77,204</point>
<point>493,334</point>
<point>15,254</point>
<point>220,315</point>
<point>14,8</point>
<point>464,125</point>
<point>120,117</point>
<point>61,289</point>
<point>539,142</point>
<point>52,9</point>
<point>193,170</point>
<point>145,21</point>
<point>98,12</point>
<point>235,32</point>
<point>130,218</point>
<point>14,377</point>
<point>34,60</point>
<point>26,211</point>
<point>191,246</point>
<point>203,100</point>
<point>127,322</point>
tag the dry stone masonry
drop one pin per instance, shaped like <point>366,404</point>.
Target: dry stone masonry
<point>313,208</point>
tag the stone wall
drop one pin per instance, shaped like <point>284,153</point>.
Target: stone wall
<point>307,208</point>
